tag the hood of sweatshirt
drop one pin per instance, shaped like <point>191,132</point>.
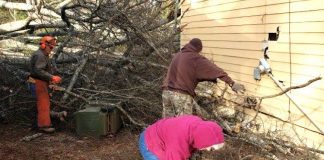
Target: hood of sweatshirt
<point>195,45</point>
<point>206,134</point>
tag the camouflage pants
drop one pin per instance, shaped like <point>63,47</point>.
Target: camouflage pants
<point>175,103</point>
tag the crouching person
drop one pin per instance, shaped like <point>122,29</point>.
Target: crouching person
<point>177,138</point>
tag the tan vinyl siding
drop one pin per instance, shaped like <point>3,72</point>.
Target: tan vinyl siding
<point>233,32</point>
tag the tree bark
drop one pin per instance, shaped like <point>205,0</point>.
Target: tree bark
<point>75,77</point>
<point>17,6</point>
<point>14,26</point>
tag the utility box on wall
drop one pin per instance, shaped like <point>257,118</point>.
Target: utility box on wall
<point>97,121</point>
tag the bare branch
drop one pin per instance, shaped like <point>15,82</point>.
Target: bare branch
<point>17,6</point>
<point>75,77</point>
<point>14,26</point>
<point>292,87</point>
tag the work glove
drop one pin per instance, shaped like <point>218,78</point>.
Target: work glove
<point>237,87</point>
<point>56,79</point>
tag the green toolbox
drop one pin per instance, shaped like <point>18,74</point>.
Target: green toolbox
<point>97,121</point>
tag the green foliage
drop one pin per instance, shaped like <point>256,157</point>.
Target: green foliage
<point>21,15</point>
<point>27,52</point>
<point>6,17</point>
<point>120,48</point>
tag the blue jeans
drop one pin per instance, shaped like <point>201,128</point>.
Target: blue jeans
<point>146,154</point>
<point>32,89</point>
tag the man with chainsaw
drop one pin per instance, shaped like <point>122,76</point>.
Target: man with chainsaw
<point>186,70</point>
<point>41,74</point>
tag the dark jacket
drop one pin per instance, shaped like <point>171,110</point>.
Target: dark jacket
<point>40,66</point>
<point>188,68</point>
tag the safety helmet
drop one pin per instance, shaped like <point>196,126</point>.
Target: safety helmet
<point>47,40</point>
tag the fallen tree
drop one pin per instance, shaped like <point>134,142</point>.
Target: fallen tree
<point>110,52</point>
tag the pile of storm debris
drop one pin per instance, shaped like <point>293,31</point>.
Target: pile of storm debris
<point>116,53</point>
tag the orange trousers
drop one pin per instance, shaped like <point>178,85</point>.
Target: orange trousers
<point>43,103</point>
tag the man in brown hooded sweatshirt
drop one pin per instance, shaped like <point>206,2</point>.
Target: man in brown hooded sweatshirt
<point>186,70</point>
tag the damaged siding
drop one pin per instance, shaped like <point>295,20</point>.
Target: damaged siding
<point>233,32</point>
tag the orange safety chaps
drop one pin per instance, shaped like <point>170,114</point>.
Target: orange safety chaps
<point>43,103</point>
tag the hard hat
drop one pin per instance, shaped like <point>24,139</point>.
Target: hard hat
<point>47,40</point>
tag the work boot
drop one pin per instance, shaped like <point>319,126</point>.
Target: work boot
<point>60,115</point>
<point>47,129</point>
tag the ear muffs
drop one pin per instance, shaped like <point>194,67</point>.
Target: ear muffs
<point>47,41</point>
<point>42,45</point>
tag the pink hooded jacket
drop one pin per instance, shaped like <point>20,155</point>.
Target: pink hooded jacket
<point>176,138</point>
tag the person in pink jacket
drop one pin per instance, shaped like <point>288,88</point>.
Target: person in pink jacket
<point>176,138</point>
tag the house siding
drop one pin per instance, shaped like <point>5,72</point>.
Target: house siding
<point>233,32</point>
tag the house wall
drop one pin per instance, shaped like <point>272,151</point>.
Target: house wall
<point>233,32</point>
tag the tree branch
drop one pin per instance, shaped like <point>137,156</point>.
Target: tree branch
<point>14,26</point>
<point>75,77</point>
<point>17,6</point>
<point>292,87</point>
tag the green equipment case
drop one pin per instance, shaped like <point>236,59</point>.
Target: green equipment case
<point>97,121</point>
<point>114,121</point>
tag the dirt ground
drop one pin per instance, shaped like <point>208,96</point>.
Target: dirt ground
<point>65,144</point>
<point>123,146</point>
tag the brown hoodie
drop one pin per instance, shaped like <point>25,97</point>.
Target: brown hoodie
<point>188,68</point>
